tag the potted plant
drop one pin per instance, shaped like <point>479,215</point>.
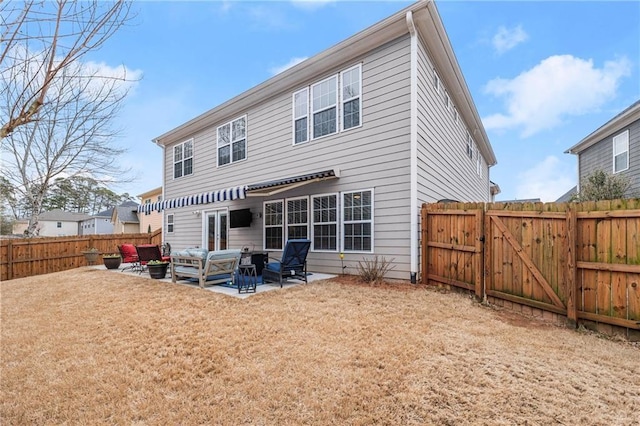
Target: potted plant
<point>112,260</point>
<point>157,268</point>
<point>91,254</point>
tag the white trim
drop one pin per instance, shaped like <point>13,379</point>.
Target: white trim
<point>625,139</point>
<point>231,141</point>
<point>173,158</point>
<point>413,220</point>
<point>172,223</point>
<point>286,216</point>
<point>264,224</point>
<point>294,118</point>
<point>343,100</point>
<point>205,226</point>
<point>371,221</point>
<point>313,222</point>
<point>335,105</point>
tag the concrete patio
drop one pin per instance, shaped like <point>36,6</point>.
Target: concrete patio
<point>261,288</point>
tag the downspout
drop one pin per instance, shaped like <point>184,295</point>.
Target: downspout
<point>164,177</point>
<point>413,196</point>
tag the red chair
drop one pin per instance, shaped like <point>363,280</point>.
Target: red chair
<point>148,252</point>
<point>129,255</point>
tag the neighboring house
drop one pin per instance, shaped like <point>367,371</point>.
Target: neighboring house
<point>568,196</point>
<point>125,218</point>
<point>152,221</point>
<point>20,226</point>
<point>614,148</point>
<point>342,149</point>
<point>54,223</point>
<point>98,224</point>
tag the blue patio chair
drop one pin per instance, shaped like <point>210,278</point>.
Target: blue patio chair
<point>292,266</point>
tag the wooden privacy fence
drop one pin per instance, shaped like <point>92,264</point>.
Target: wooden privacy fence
<point>579,260</point>
<point>34,256</point>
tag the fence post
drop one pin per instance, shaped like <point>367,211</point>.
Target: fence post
<point>10,260</point>
<point>479,255</point>
<point>571,270</point>
<point>425,248</point>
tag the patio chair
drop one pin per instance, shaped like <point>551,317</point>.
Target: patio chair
<point>148,252</point>
<point>292,266</point>
<point>129,255</point>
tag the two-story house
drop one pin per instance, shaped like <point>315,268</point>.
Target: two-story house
<point>153,221</point>
<point>98,224</point>
<point>342,149</point>
<point>614,148</point>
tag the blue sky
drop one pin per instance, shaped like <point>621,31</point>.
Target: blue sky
<point>543,75</point>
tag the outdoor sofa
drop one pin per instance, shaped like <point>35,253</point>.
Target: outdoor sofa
<point>208,267</point>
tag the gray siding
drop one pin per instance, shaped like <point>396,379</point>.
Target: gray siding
<point>444,169</point>
<point>373,156</point>
<point>600,156</point>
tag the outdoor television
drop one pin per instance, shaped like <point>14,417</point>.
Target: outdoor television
<point>240,218</point>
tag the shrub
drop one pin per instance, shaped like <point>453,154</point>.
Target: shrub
<point>373,271</point>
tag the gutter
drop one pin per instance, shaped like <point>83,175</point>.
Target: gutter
<point>413,196</point>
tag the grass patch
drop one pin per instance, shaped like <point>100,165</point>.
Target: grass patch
<point>97,347</point>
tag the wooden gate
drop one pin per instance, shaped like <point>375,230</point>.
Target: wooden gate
<point>526,258</point>
<point>452,246</point>
<point>579,260</point>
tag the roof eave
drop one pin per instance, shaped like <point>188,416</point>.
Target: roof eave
<point>612,126</point>
<point>435,38</point>
<point>356,45</point>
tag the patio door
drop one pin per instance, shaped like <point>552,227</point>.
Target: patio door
<point>216,230</point>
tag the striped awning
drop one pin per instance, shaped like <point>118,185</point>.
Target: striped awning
<point>279,185</point>
<point>234,193</point>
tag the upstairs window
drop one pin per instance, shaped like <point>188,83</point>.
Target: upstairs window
<point>469,146</point>
<point>170,223</point>
<point>232,141</point>
<point>301,116</point>
<point>621,152</point>
<point>183,159</point>
<point>436,81</point>
<point>324,100</point>
<point>351,83</point>
<point>58,224</point>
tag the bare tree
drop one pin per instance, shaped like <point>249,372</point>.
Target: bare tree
<point>48,37</point>
<point>71,131</point>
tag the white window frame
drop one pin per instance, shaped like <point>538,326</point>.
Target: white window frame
<point>455,115</point>
<point>286,216</point>
<point>170,223</point>
<point>296,118</point>
<point>183,158</point>
<point>478,163</point>
<point>436,81</point>
<point>470,144</point>
<point>281,225</point>
<point>232,141</point>
<point>343,222</point>
<point>336,222</point>
<point>618,139</point>
<point>343,100</point>
<point>447,101</point>
<point>326,108</point>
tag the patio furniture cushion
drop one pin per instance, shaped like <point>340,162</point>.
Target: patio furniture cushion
<point>128,253</point>
<point>293,264</point>
<point>218,267</point>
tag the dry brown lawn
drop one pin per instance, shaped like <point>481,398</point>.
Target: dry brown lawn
<point>96,347</point>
